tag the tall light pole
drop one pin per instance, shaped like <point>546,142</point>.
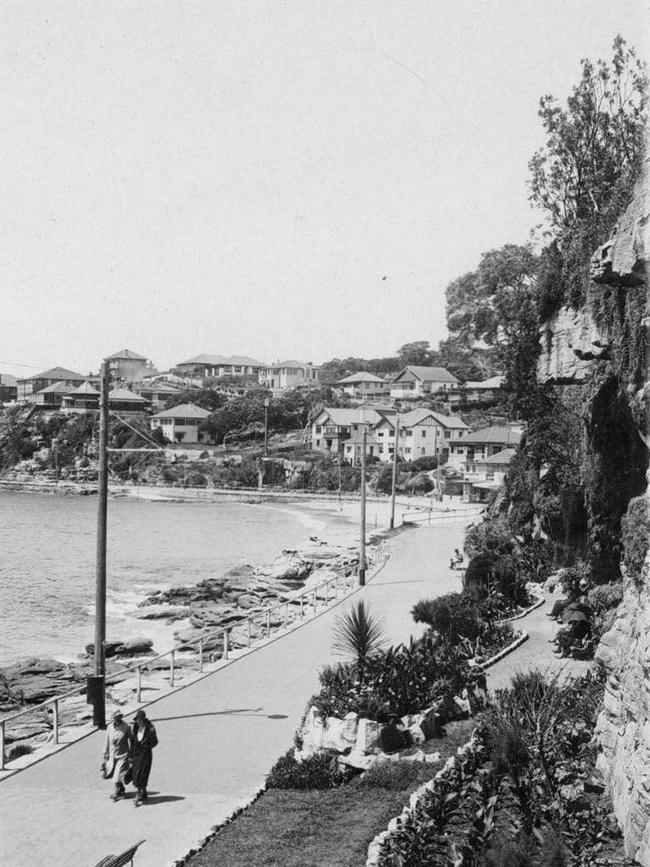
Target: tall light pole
<point>99,687</point>
<point>266,427</point>
<point>362,540</point>
<point>394,481</point>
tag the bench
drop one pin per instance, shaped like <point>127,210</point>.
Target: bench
<point>122,860</point>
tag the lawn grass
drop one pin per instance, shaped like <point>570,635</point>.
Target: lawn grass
<point>332,828</point>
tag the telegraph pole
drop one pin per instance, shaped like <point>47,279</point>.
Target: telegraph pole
<point>362,540</point>
<point>394,483</point>
<point>266,427</point>
<point>99,696</point>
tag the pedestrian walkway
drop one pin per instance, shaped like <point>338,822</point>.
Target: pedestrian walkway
<point>535,653</point>
<point>218,736</point>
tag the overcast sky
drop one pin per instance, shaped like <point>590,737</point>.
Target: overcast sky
<point>276,179</point>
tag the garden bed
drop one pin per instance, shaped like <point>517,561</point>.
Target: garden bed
<point>332,827</point>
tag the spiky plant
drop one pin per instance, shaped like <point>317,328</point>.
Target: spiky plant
<point>357,633</point>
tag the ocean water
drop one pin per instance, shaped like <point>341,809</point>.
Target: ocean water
<point>47,561</point>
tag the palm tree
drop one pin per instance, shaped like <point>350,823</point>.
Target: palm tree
<point>359,634</point>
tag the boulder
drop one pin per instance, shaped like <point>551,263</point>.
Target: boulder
<point>162,612</point>
<point>367,736</point>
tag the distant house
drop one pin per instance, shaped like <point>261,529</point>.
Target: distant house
<point>207,366</point>
<point>82,399</point>
<point>128,366</point>
<point>486,476</point>
<point>290,374</point>
<point>157,393</point>
<point>29,386</point>
<point>486,391</point>
<point>415,381</point>
<point>8,388</point>
<point>332,428</point>
<point>125,402</point>
<point>466,452</point>
<point>422,433</point>
<point>51,397</point>
<point>181,423</point>
<point>364,385</point>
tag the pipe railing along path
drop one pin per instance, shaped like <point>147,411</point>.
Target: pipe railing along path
<point>298,601</point>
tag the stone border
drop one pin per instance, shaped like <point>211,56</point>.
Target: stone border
<point>181,862</point>
<point>375,846</point>
<point>537,604</point>
<point>504,652</point>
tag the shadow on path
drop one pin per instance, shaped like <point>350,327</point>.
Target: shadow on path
<point>244,711</point>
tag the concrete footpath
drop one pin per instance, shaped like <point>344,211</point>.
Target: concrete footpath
<point>218,736</point>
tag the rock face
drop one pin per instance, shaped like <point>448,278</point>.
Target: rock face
<point>624,724</point>
<point>570,343</point>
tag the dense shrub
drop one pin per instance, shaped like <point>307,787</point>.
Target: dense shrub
<point>635,527</point>
<point>398,681</point>
<point>489,538</point>
<point>603,601</point>
<point>18,750</point>
<point>320,771</point>
<point>574,579</point>
<point>453,616</point>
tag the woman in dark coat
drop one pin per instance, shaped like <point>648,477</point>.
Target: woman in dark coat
<point>143,740</point>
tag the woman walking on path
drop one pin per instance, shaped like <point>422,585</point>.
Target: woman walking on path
<point>143,740</point>
<point>116,753</point>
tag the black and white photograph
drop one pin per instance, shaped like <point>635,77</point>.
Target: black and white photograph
<point>324,433</point>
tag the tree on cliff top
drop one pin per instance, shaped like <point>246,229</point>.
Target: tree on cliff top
<point>593,143</point>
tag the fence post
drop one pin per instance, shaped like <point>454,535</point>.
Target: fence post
<point>225,644</point>
<point>302,602</point>
<point>248,636</point>
<point>2,746</point>
<point>268,622</point>
<point>138,687</point>
<point>200,654</point>
<point>314,601</point>
<point>55,721</point>
<point>171,668</point>
<point>286,613</point>
<point>327,593</point>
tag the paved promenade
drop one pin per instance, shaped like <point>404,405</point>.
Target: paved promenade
<point>218,736</point>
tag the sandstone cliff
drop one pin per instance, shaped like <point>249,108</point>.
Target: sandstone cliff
<point>624,724</point>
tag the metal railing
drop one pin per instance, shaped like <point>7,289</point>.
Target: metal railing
<point>332,586</point>
<point>421,516</point>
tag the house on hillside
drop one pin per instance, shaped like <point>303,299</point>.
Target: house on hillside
<point>29,386</point>
<point>128,366</point>
<point>126,403</point>
<point>477,393</point>
<point>207,366</point>
<point>364,385</point>
<point>157,393</point>
<point>487,476</point>
<point>415,381</point>
<point>8,388</point>
<point>181,423</point>
<point>465,452</point>
<point>422,433</point>
<point>83,399</point>
<point>333,427</point>
<point>51,397</point>
<point>290,374</point>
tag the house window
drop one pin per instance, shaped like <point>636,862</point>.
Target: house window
<point>319,428</point>
<point>407,450</point>
<point>409,433</point>
<point>424,433</point>
<point>380,433</point>
<point>317,443</point>
<point>422,451</point>
<point>391,433</point>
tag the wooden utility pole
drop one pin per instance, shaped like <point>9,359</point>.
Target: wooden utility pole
<point>362,539</point>
<point>266,428</point>
<point>394,482</point>
<point>99,703</point>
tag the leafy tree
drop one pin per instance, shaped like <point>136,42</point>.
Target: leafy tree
<point>418,352</point>
<point>206,398</point>
<point>593,142</point>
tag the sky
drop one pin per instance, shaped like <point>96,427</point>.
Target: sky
<point>274,179</point>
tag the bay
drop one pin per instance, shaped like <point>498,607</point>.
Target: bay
<point>47,561</point>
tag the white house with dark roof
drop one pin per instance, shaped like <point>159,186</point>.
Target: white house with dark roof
<point>180,424</point>
<point>416,381</point>
<point>478,392</point>
<point>8,388</point>
<point>290,374</point>
<point>82,399</point>
<point>422,433</point>
<point>364,385</point>
<point>333,427</point>
<point>466,452</point>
